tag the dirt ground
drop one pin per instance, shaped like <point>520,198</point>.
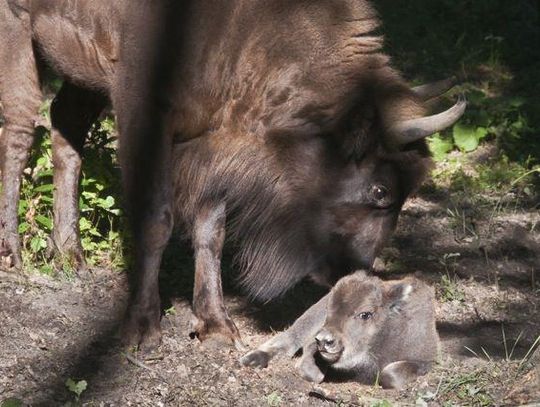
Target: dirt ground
<point>485,267</point>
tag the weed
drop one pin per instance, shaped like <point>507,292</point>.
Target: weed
<point>449,286</point>
<point>449,290</point>
<point>76,387</point>
<point>459,388</point>
<point>525,358</point>
<point>273,399</point>
<point>170,311</point>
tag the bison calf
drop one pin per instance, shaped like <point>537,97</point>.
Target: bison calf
<point>365,328</point>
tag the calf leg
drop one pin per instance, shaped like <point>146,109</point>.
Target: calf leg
<point>20,96</point>
<point>73,111</point>
<point>307,365</point>
<point>210,315</point>
<point>290,341</point>
<point>397,374</point>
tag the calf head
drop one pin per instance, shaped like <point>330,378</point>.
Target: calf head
<point>356,317</point>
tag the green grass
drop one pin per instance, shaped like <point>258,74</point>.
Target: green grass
<point>493,46</point>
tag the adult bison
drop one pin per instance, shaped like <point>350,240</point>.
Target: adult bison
<point>289,122</point>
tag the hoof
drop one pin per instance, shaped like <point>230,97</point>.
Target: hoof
<point>10,254</point>
<point>217,333</point>
<point>71,255</point>
<point>141,332</point>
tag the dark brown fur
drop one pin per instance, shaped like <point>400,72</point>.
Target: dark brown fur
<point>280,110</point>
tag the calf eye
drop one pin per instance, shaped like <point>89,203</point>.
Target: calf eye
<point>364,316</point>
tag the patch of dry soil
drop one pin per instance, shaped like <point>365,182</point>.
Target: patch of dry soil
<point>487,282</point>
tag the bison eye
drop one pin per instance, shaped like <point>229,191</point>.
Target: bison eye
<point>379,192</point>
<point>380,196</point>
<point>364,316</point>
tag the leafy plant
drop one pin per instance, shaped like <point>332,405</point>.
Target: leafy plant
<point>76,387</point>
<point>467,137</point>
<point>439,146</point>
<point>273,399</point>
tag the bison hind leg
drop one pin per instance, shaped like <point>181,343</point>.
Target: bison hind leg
<point>73,111</point>
<point>397,374</point>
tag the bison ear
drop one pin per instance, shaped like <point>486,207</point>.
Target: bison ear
<point>397,295</point>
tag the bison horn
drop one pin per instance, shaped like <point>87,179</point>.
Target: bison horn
<point>434,89</point>
<point>411,130</point>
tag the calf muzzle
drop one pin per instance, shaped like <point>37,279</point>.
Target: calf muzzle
<point>329,346</point>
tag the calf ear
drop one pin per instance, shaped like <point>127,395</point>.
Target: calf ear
<point>397,295</point>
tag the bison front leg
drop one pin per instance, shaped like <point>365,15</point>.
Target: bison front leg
<point>73,111</point>
<point>210,315</point>
<point>20,97</point>
<point>142,97</point>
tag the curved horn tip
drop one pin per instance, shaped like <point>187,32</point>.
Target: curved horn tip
<point>435,89</point>
<point>408,131</point>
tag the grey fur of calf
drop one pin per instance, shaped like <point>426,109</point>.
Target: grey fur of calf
<point>365,329</point>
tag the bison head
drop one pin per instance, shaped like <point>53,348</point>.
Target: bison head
<point>375,167</point>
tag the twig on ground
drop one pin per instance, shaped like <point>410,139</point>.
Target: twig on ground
<point>132,359</point>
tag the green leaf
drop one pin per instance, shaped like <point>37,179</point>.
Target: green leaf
<point>47,269</point>
<point>44,173</point>
<point>46,199</point>
<point>84,224</point>
<point>44,221</point>
<point>467,137</point>
<point>23,227</point>
<point>87,181</point>
<point>439,147</point>
<point>23,207</point>
<point>89,195</point>
<point>37,243</point>
<point>76,387</point>
<point>44,188</point>
<point>108,202</point>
